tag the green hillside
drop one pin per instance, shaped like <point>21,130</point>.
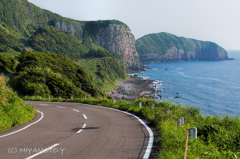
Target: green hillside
<point>104,68</point>
<point>25,17</point>
<point>47,74</point>
<point>157,45</point>
<point>49,39</point>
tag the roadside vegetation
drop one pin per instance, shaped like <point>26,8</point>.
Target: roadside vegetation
<point>218,137</point>
<point>13,110</point>
<point>7,64</point>
<point>51,74</point>
<point>104,68</point>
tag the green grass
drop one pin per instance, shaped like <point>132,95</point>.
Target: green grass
<point>105,71</point>
<point>13,110</point>
<point>218,136</point>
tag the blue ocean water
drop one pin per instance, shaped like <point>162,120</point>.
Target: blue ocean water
<point>214,86</point>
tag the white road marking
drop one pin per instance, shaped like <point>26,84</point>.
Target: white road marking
<point>151,137</point>
<point>80,130</point>
<point>61,107</point>
<point>76,110</point>
<point>49,148</point>
<point>84,125</point>
<point>24,127</point>
<point>84,116</point>
<point>42,104</point>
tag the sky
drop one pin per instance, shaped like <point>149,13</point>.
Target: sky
<point>208,20</point>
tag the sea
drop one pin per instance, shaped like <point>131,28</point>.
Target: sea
<point>213,86</point>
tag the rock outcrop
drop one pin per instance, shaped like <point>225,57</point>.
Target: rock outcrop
<point>118,38</point>
<point>167,47</point>
<point>111,35</point>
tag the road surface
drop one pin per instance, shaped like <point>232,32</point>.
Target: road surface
<point>77,131</point>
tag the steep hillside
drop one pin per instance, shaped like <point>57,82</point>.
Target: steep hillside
<point>104,68</point>
<point>50,39</point>
<point>168,47</point>
<point>50,74</point>
<point>13,110</point>
<point>25,18</point>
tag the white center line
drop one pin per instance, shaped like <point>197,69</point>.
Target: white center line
<point>80,130</point>
<point>84,116</point>
<point>43,151</point>
<point>61,107</point>
<point>76,110</point>
<point>84,125</point>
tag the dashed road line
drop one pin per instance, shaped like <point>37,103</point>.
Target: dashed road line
<point>151,137</point>
<point>76,110</point>
<point>61,107</point>
<point>84,116</point>
<point>84,126</point>
<point>45,150</point>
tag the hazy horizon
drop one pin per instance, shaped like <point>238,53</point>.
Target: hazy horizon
<point>207,20</point>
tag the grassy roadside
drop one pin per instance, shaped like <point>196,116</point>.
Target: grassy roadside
<point>218,137</point>
<point>13,110</point>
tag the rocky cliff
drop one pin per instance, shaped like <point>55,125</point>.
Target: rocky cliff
<point>112,35</point>
<point>168,47</point>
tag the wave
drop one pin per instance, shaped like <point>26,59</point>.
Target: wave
<point>203,78</point>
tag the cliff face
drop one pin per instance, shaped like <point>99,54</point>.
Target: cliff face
<point>119,39</point>
<point>111,35</point>
<point>168,47</point>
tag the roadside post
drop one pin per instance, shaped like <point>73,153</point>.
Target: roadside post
<point>140,104</point>
<point>180,121</point>
<point>192,133</point>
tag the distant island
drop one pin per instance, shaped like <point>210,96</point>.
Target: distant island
<point>162,47</point>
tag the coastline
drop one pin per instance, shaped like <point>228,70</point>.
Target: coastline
<point>131,89</point>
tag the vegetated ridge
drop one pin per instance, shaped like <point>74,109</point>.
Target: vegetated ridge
<point>22,18</point>
<point>168,47</point>
<point>47,74</point>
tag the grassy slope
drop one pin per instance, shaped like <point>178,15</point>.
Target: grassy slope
<point>104,68</point>
<point>160,43</point>
<point>13,110</point>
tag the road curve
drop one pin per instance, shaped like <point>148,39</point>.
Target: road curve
<point>73,130</point>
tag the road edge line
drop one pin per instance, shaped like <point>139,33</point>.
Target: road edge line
<point>25,126</point>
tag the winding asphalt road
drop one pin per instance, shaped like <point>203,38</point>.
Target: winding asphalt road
<point>73,130</point>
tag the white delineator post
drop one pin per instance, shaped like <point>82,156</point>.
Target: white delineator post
<point>180,121</point>
<point>140,104</point>
<point>192,133</point>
